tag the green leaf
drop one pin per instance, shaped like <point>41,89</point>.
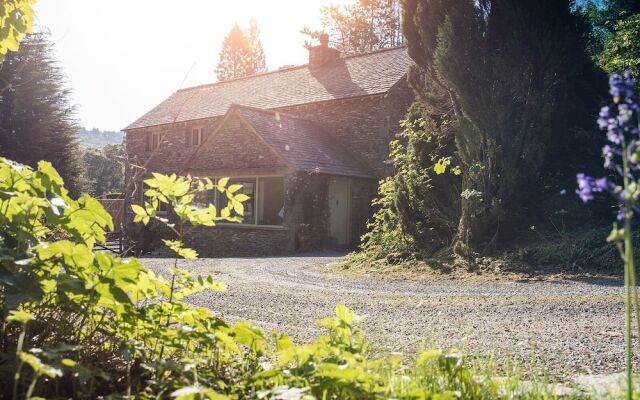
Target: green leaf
<point>138,210</point>
<point>345,314</point>
<point>241,197</point>
<point>428,355</point>
<point>177,247</point>
<point>222,183</point>
<point>19,316</point>
<point>238,208</point>
<point>38,366</point>
<point>234,188</point>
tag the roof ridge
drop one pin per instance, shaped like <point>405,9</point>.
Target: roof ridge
<point>269,111</point>
<point>284,69</point>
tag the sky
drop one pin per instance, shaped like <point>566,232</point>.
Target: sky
<point>123,57</point>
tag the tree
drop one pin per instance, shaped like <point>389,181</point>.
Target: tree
<point>622,50</point>
<point>105,169</point>
<point>604,16</point>
<point>241,54</point>
<point>510,77</point>
<point>258,61</point>
<point>362,27</point>
<point>36,118</point>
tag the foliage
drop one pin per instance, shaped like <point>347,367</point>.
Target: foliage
<point>97,138</point>
<point>16,21</point>
<point>104,169</point>
<point>241,54</point>
<point>621,121</point>
<point>622,50</point>
<point>419,207</point>
<point>361,27</point>
<point>80,316</point>
<point>385,234</point>
<point>604,16</point>
<point>77,323</point>
<point>511,111</point>
<point>36,118</point>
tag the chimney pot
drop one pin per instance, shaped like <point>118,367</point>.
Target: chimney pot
<point>324,40</point>
<point>322,53</point>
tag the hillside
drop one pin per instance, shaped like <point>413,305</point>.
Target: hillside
<point>97,138</point>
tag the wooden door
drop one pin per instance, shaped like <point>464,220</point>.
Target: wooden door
<point>339,210</point>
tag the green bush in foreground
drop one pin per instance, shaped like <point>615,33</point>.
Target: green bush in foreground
<point>77,323</point>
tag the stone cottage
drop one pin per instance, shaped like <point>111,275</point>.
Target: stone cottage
<point>308,144</point>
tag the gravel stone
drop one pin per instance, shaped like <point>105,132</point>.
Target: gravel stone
<point>568,327</point>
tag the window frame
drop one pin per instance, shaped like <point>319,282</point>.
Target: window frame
<point>197,133</point>
<point>255,198</point>
<point>154,140</point>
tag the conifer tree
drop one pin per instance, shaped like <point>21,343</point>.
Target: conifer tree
<point>36,119</point>
<point>257,61</point>
<point>241,54</point>
<point>511,76</point>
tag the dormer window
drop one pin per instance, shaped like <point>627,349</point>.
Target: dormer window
<point>196,137</point>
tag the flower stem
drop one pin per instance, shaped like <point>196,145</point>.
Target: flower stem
<point>628,252</point>
<point>629,275</point>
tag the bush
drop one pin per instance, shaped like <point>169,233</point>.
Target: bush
<point>77,323</point>
<point>417,210</point>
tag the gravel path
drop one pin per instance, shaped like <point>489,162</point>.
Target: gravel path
<point>568,327</point>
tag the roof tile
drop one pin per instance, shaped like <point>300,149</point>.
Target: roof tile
<point>367,74</point>
<point>301,143</point>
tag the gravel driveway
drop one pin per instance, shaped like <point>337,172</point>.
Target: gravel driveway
<point>568,326</point>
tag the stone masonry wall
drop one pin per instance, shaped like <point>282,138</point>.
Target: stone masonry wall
<point>170,156</point>
<point>363,125</point>
<point>234,146</point>
<point>228,240</point>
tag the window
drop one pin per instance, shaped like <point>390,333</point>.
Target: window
<point>196,137</point>
<point>153,140</point>
<point>265,205</point>
<point>270,201</point>
<point>249,189</point>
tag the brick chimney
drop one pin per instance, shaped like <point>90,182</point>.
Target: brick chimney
<point>318,55</point>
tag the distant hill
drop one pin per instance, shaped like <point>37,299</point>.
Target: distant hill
<point>97,138</point>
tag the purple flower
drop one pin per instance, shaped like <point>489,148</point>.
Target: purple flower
<point>621,88</point>
<point>620,121</point>
<point>588,185</point>
<point>609,153</point>
<point>625,113</point>
<point>614,135</point>
<point>605,114</point>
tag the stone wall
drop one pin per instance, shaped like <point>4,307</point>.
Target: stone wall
<point>363,125</point>
<point>170,156</point>
<point>234,146</point>
<point>245,240</point>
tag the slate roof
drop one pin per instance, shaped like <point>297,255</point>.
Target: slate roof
<point>362,75</point>
<point>302,144</point>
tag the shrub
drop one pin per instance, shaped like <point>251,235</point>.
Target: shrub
<point>77,323</point>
